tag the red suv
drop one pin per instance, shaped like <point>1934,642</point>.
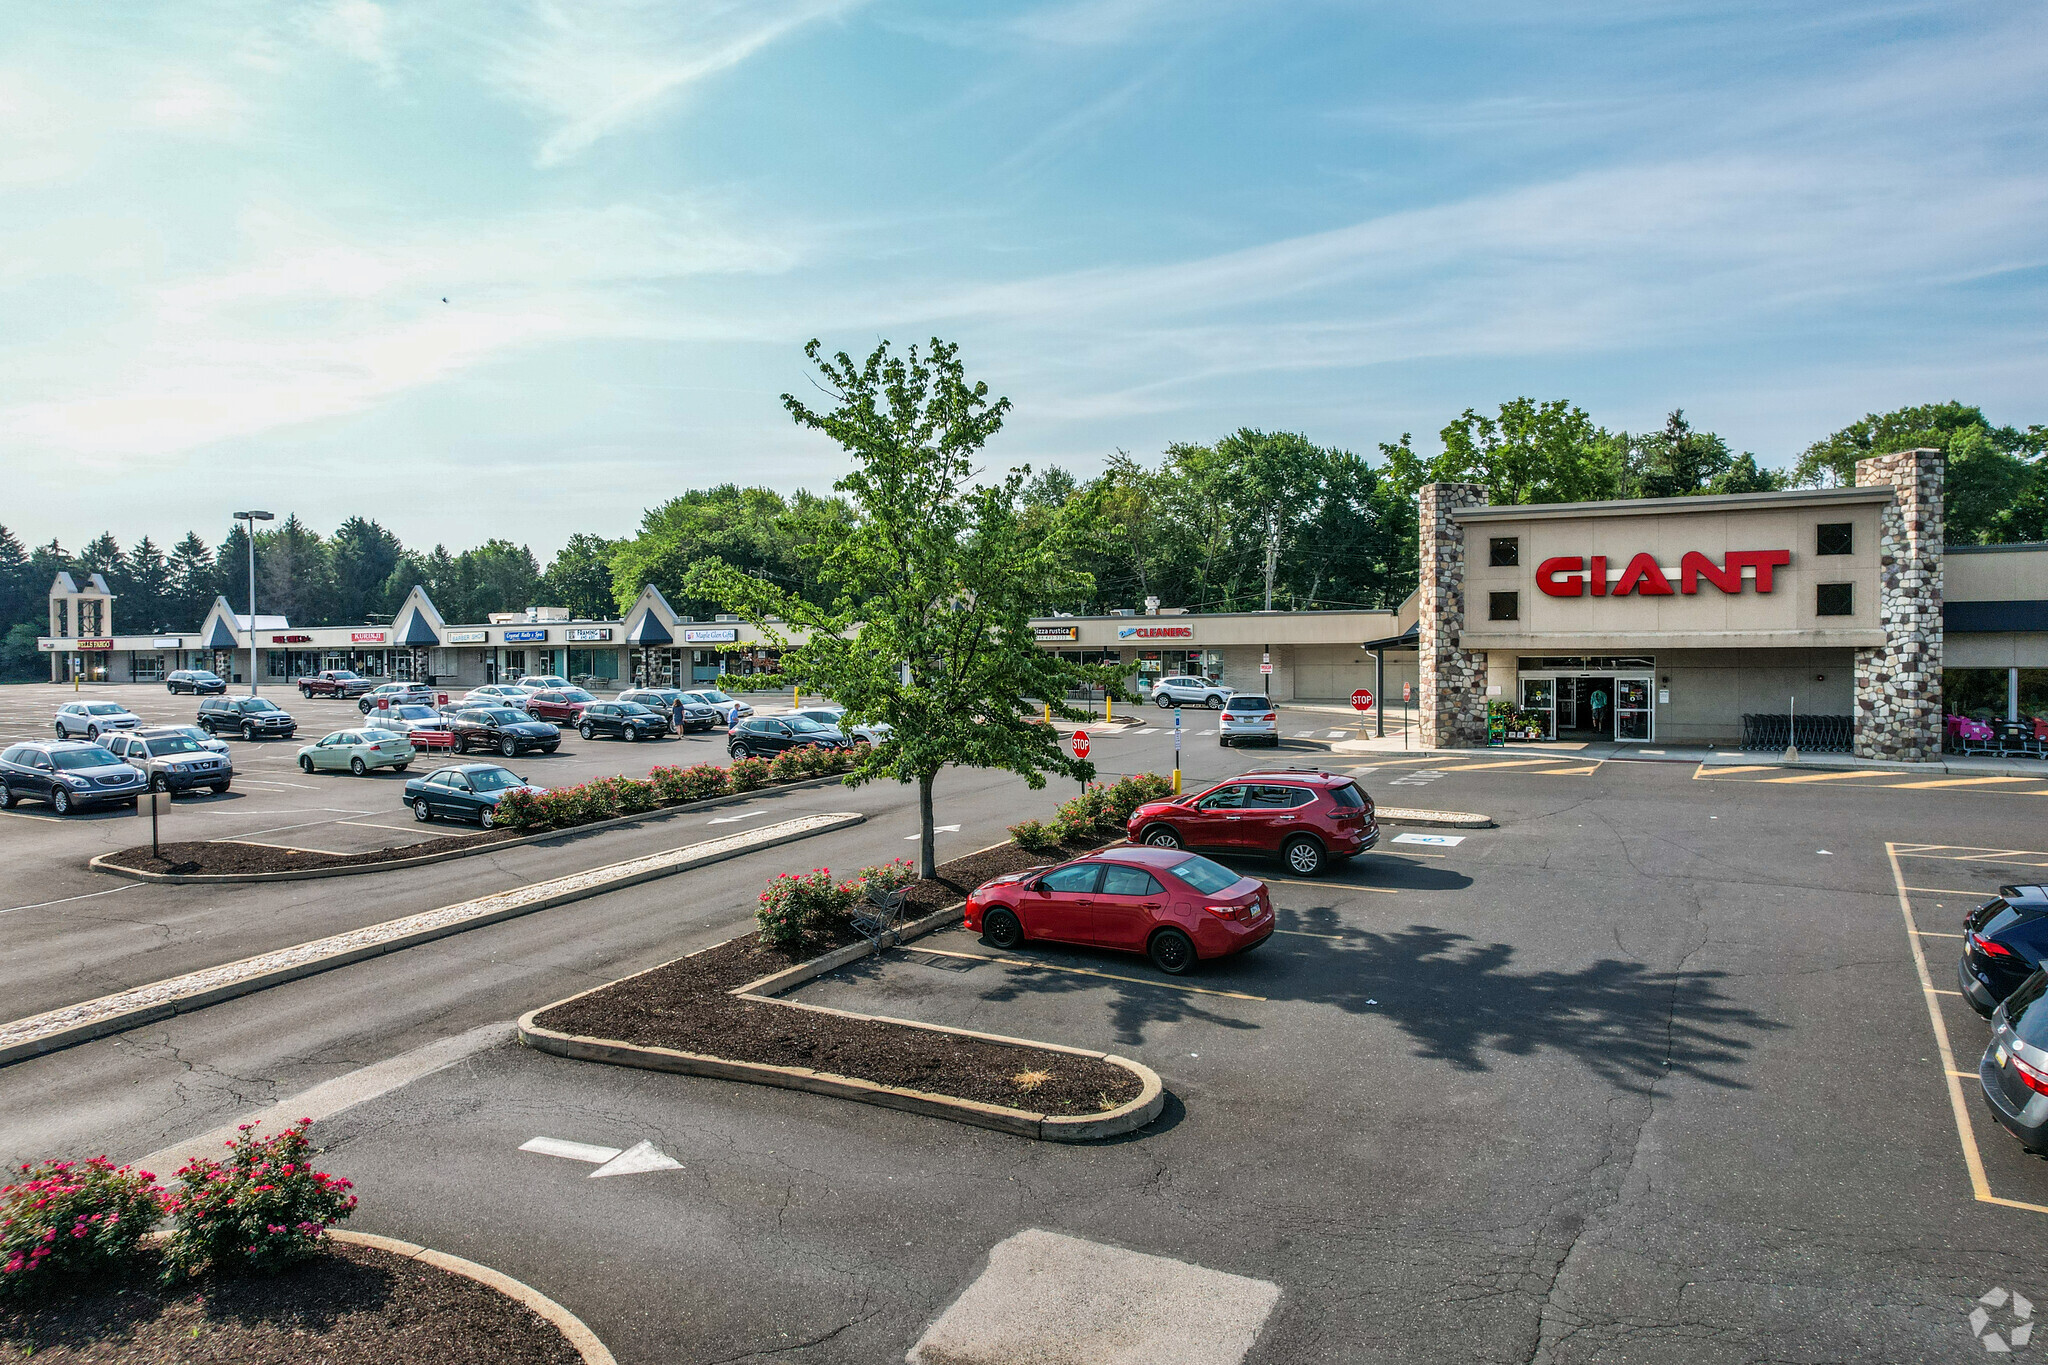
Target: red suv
<point>562,705</point>
<point>1304,817</point>
<point>1177,908</point>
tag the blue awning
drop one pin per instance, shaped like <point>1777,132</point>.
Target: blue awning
<point>648,631</point>
<point>417,631</point>
<point>222,636</point>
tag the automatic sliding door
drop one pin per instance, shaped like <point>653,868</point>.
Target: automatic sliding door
<point>1632,712</point>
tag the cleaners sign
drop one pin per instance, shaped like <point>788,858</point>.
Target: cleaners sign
<point>1573,576</point>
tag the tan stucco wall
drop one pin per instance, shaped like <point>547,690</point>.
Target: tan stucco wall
<point>2028,650</point>
<point>1712,689</point>
<point>1708,618</point>
<point>1995,575</point>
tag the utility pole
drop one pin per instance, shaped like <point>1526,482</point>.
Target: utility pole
<point>251,518</point>
<point>1272,558</point>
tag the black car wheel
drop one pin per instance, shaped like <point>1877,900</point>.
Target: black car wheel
<point>60,801</point>
<point>509,747</point>
<point>1164,702</point>
<point>586,731</point>
<point>1215,702</point>
<point>735,751</point>
<point>363,706</point>
<point>488,818</point>
<point>633,733</point>
<point>158,782</point>
<point>1171,951</point>
<point>6,797</point>
<point>358,767</point>
<point>249,733</point>
<point>1163,836</point>
<point>219,788</point>
<point>305,763</point>
<point>92,732</point>
<point>1305,857</point>
<point>1001,929</point>
<point>420,811</point>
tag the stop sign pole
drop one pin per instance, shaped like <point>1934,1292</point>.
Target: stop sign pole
<point>1362,702</point>
<point>1080,742</point>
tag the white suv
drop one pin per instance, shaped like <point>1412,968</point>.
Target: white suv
<point>1183,690</point>
<point>91,719</point>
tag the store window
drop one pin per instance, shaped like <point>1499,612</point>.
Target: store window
<point>1504,606</point>
<point>1835,538</point>
<point>587,666</point>
<point>146,668</point>
<point>1504,552</point>
<point>1834,599</point>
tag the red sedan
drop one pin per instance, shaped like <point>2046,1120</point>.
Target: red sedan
<point>1178,908</point>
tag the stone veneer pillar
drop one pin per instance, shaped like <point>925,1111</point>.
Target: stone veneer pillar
<point>1453,686</point>
<point>1898,684</point>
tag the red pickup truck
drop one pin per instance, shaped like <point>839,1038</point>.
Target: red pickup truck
<point>334,682</point>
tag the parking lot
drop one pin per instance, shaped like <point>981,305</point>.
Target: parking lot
<point>1649,1072</point>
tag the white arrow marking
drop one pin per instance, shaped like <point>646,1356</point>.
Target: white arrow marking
<point>936,829</point>
<point>729,819</point>
<point>641,1157</point>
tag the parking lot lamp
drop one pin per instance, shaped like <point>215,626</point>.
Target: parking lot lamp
<point>252,518</point>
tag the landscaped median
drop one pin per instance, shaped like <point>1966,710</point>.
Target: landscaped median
<point>145,1004</point>
<point>717,1013</point>
<point>524,818</point>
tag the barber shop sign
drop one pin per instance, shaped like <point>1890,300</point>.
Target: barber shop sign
<point>1580,576</point>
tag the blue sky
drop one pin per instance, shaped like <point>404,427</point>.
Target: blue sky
<point>227,231</point>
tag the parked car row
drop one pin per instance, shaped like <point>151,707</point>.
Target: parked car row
<point>2005,946</point>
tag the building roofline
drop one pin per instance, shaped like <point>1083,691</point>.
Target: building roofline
<point>2015,547</point>
<point>1707,502</point>
<point>1222,615</point>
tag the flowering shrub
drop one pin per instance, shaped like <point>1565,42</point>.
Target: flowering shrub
<point>72,1218</point>
<point>1035,836</point>
<point>886,877</point>
<point>750,774</point>
<point>795,905</point>
<point>519,809</point>
<point>703,781</point>
<point>262,1210</point>
<point>1125,795</point>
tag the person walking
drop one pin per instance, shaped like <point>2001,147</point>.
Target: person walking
<point>675,714</point>
<point>1599,702</point>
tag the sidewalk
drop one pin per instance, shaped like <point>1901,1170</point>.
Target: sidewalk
<point>1971,765</point>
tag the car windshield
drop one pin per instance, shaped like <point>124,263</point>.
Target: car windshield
<point>494,779</point>
<point>103,708</point>
<point>1203,875</point>
<point>1348,796</point>
<point>342,674</point>
<point>257,704</point>
<point>712,694</point>
<point>378,736</point>
<point>504,715</point>
<point>634,708</point>
<point>204,677</point>
<point>804,725</point>
<point>193,732</point>
<point>172,744</point>
<point>576,694</point>
<point>94,757</point>
<point>2025,1012</point>
<point>1246,704</point>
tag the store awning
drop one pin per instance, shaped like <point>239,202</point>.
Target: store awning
<point>221,637</point>
<point>418,631</point>
<point>648,631</point>
<point>1410,638</point>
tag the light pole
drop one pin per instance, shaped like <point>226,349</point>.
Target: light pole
<point>252,518</point>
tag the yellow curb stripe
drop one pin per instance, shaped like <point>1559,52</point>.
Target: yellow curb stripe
<point>1565,772</point>
<point>1953,891</point>
<point>1510,763</point>
<point>1831,777</point>
<point>1700,774</point>
<point>1961,782</point>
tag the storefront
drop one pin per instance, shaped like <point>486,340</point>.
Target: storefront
<point>1289,655</point>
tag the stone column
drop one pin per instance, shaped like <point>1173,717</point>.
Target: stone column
<point>1898,684</point>
<point>1453,685</point>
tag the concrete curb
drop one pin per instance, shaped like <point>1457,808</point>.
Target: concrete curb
<point>1125,1118</point>
<point>572,1328</point>
<point>1433,819</point>
<point>139,1005</point>
<point>99,863</point>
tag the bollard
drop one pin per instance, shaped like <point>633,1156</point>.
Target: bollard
<point>1108,708</point>
<point>155,848</point>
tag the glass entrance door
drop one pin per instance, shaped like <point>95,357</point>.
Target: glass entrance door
<point>1539,695</point>
<point>1633,715</point>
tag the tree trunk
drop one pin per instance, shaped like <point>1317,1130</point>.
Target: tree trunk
<point>927,841</point>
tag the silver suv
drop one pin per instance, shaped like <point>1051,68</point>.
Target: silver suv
<point>1186,690</point>
<point>172,760</point>
<point>1249,716</point>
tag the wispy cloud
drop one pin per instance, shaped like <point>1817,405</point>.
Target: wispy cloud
<point>590,70</point>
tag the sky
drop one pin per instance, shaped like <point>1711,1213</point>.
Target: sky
<point>524,269</point>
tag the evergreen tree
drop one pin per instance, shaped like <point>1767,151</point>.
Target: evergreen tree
<point>294,574</point>
<point>580,578</point>
<point>21,597</point>
<point>103,556</point>
<point>195,582</point>
<point>363,556</point>
<point>231,567</point>
<point>146,589</point>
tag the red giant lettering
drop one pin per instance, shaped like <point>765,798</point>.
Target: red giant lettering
<point>1564,576</point>
<point>1695,564</point>
<point>1643,577</point>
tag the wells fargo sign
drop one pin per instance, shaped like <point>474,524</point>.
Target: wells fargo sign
<point>1575,576</point>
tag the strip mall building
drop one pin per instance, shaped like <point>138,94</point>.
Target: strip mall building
<point>1680,621</point>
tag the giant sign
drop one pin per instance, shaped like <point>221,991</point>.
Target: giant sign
<point>1574,576</point>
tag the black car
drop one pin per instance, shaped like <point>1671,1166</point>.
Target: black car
<point>767,736</point>
<point>620,720</point>
<point>509,732</point>
<point>172,760</point>
<point>465,791</point>
<point>2014,1069</point>
<point>197,681</point>
<point>697,715</point>
<point>67,774</point>
<point>2004,940</point>
<point>249,717</point>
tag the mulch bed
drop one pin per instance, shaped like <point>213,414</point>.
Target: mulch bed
<point>687,1005</point>
<point>351,1305</point>
<point>212,858</point>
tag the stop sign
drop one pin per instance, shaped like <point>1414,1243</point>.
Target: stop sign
<point>1362,699</point>
<point>1080,744</point>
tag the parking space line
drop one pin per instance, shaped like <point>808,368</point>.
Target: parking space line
<point>1700,774</point>
<point>248,835</point>
<point>1959,782</point>
<point>1510,763</point>
<point>288,848</point>
<point>1966,1133</point>
<point>1342,886</point>
<point>1936,990</point>
<point>1303,933</point>
<point>1565,772</point>
<point>63,900</point>
<point>1979,856</point>
<point>1830,777</point>
<point>1084,971</point>
<point>1935,933</point>
<point>1951,891</point>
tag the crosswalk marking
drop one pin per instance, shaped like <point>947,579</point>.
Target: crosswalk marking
<point>1960,782</point>
<point>1832,777</point>
<point>1509,763</point>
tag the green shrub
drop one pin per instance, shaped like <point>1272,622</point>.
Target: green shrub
<point>887,877</point>
<point>703,781</point>
<point>69,1219</point>
<point>1125,795</point>
<point>789,765</point>
<point>633,796</point>
<point>671,787</point>
<point>799,904</point>
<point>1035,836</point>
<point>750,774</point>
<point>265,1208</point>
<point>520,809</point>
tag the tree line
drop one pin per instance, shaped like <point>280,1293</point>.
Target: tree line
<point>1203,526</point>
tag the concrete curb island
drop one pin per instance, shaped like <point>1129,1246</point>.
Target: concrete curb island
<point>62,1027</point>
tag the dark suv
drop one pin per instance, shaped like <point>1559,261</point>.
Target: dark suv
<point>2004,941</point>
<point>172,760</point>
<point>767,736</point>
<point>509,732</point>
<point>249,717</point>
<point>197,681</point>
<point>621,720</point>
<point>68,774</point>
<point>1307,818</point>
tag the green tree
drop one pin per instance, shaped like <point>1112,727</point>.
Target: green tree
<point>231,568</point>
<point>19,657</point>
<point>742,527</point>
<point>146,585</point>
<point>195,582</point>
<point>1532,452</point>
<point>295,574</point>
<point>580,577</point>
<point>934,580</point>
<point>1992,472</point>
<point>102,555</point>
<point>21,597</point>
<point>363,555</point>
<point>499,576</point>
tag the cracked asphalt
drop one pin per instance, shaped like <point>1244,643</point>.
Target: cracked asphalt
<point>1641,1075</point>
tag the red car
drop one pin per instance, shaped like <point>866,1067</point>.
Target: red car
<point>1178,908</point>
<point>562,705</point>
<point>1308,819</point>
<point>334,682</point>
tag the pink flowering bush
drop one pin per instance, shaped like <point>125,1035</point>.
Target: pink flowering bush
<point>602,798</point>
<point>261,1210</point>
<point>66,1219</point>
<point>519,809</point>
<point>703,781</point>
<point>750,774</point>
<point>797,904</point>
<point>886,877</point>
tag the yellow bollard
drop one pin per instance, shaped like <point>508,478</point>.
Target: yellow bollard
<point>1048,713</point>
<point>798,704</point>
<point>1108,708</point>
<point>1176,781</point>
